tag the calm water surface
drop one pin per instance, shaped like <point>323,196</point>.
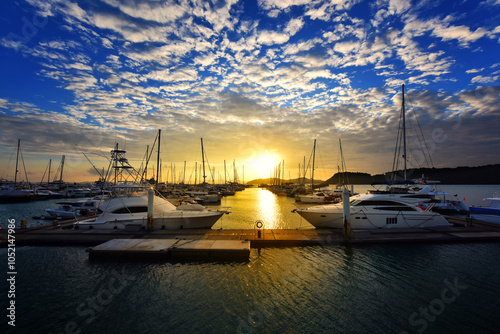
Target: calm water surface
<point>431,288</point>
<point>319,289</point>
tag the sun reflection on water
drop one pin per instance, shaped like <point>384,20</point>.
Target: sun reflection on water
<point>269,210</point>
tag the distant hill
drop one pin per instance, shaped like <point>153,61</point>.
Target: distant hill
<point>489,174</point>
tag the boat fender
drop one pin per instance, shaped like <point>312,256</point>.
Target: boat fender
<point>91,213</point>
<point>259,224</point>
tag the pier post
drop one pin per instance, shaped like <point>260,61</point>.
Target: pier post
<point>151,197</point>
<point>347,214</point>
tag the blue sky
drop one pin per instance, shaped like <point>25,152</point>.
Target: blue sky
<point>258,80</point>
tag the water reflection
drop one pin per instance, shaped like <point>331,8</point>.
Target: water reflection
<point>269,210</point>
<point>253,204</point>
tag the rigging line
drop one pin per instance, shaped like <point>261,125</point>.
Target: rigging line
<point>397,149</point>
<point>24,166</point>
<point>210,169</point>
<point>8,167</point>
<point>421,138</point>
<point>320,157</point>
<point>149,158</point>
<point>43,176</point>
<point>99,173</point>
<point>308,164</point>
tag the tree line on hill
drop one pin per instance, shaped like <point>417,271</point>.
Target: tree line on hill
<point>489,174</point>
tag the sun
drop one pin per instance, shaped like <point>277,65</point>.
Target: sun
<point>264,163</point>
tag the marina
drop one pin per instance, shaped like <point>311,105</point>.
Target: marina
<point>62,234</point>
<point>230,271</point>
<point>250,167</point>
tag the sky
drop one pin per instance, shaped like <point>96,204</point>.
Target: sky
<point>258,80</point>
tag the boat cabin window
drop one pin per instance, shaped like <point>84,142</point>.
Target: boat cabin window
<point>395,208</point>
<point>372,203</point>
<point>132,209</point>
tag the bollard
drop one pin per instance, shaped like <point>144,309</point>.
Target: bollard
<point>347,214</point>
<point>150,217</point>
<point>259,225</point>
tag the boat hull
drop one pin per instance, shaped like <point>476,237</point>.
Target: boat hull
<point>170,221</point>
<point>364,219</point>
<point>485,215</point>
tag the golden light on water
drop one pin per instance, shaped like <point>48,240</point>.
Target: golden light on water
<point>269,209</point>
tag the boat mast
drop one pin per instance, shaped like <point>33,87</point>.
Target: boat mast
<point>158,158</point>
<point>312,172</point>
<point>17,162</point>
<point>225,180</point>
<point>184,175</point>
<point>48,177</point>
<point>195,172</point>
<point>404,128</point>
<point>62,168</point>
<point>203,159</point>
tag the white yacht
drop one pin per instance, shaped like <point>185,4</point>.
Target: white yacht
<point>370,211</point>
<point>488,214</point>
<point>439,200</point>
<point>317,198</point>
<point>119,212</point>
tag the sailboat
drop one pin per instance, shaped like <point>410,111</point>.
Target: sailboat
<point>319,197</point>
<point>128,206</point>
<point>15,193</point>
<point>203,193</point>
<point>404,208</point>
<point>416,188</point>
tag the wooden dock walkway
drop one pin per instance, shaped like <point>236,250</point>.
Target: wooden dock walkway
<point>206,242</point>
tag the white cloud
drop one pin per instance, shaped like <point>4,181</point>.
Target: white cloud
<point>484,79</point>
<point>474,70</point>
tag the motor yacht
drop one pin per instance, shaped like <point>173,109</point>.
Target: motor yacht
<point>488,214</point>
<point>370,211</point>
<point>132,210</point>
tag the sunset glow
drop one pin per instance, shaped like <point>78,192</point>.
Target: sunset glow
<point>259,80</point>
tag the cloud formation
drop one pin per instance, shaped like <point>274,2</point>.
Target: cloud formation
<point>298,69</point>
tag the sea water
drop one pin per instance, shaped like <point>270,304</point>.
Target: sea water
<point>431,288</point>
<point>400,288</point>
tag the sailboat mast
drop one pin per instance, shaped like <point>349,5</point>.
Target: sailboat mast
<point>404,128</point>
<point>184,175</point>
<point>203,159</point>
<point>48,177</point>
<point>62,167</point>
<point>17,161</point>
<point>195,172</point>
<point>312,172</point>
<point>341,162</point>
<point>158,158</point>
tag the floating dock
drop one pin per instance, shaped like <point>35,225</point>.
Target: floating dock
<point>171,248</point>
<point>209,244</point>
